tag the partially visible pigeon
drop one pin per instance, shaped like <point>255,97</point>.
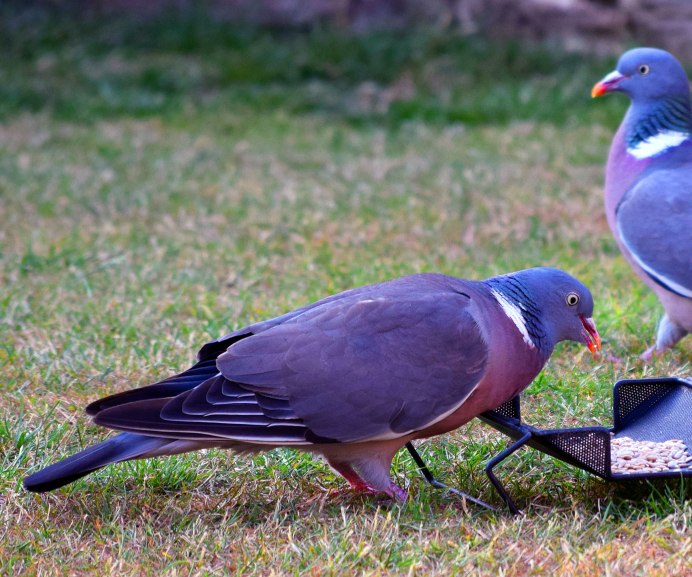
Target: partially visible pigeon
<point>352,377</point>
<point>648,184</point>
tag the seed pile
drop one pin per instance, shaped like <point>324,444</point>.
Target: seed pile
<point>629,456</point>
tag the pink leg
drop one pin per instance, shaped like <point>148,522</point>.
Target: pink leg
<point>347,472</point>
<point>358,484</point>
<point>648,354</point>
<point>667,335</point>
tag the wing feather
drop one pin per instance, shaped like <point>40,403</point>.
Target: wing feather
<point>372,363</point>
<point>167,388</point>
<point>654,219</point>
<point>368,368</point>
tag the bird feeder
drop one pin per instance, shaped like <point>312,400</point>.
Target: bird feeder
<point>651,437</point>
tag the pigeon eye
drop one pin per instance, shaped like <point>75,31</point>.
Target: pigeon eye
<point>572,299</point>
<point>643,69</point>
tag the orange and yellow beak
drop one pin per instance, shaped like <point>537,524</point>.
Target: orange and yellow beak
<point>607,84</point>
<point>591,337</point>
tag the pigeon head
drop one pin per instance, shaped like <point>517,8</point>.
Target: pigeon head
<point>646,75</point>
<point>548,306</point>
<point>659,118</point>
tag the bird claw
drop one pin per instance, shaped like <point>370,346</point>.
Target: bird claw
<point>648,354</point>
<point>652,352</point>
<point>397,493</point>
<point>394,492</point>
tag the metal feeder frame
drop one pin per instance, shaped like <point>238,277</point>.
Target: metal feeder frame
<point>654,409</point>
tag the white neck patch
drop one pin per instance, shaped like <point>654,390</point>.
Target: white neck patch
<point>658,143</point>
<point>514,313</point>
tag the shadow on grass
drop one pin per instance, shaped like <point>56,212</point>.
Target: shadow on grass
<point>173,496</point>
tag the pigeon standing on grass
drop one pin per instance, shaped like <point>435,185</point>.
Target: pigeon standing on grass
<point>648,184</point>
<point>352,377</point>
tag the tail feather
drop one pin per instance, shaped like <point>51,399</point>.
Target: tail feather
<point>122,447</point>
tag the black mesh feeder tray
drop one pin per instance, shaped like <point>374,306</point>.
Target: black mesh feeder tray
<point>651,437</point>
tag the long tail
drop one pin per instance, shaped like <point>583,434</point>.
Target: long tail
<point>122,447</point>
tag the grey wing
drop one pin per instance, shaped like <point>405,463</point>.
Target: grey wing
<point>214,348</point>
<point>364,369</point>
<point>370,364</point>
<point>200,404</point>
<point>215,411</point>
<point>655,223</point>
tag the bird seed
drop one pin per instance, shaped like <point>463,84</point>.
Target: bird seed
<point>628,456</point>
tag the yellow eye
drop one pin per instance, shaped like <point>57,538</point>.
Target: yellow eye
<point>643,69</point>
<point>572,299</point>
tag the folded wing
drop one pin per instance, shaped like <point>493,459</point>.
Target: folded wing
<point>655,223</point>
<point>370,365</point>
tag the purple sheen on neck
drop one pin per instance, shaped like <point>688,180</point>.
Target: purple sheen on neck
<point>621,172</point>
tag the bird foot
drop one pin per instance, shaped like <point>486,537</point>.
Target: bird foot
<point>350,491</point>
<point>651,352</point>
<point>394,492</point>
<point>397,493</point>
<point>648,354</point>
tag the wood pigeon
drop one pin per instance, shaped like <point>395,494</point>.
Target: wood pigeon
<point>648,183</point>
<point>352,377</point>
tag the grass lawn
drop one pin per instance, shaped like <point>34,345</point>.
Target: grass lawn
<point>163,183</point>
